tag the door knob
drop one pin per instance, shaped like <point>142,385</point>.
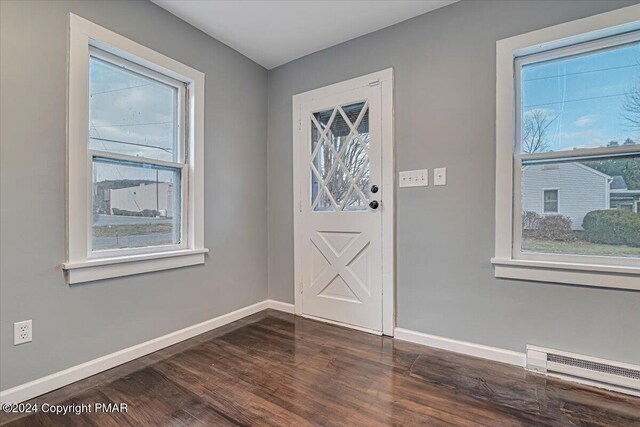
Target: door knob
<point>374,189</point>
<point>374,204</point>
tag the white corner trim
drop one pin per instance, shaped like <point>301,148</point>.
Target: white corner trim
<point>280,306</point>
<point>463,347</point>
<point>62,378</point>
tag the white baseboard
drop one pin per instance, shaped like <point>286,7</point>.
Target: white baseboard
<point>59,379</point>
<point>462,347</point>
<point>280,306</point>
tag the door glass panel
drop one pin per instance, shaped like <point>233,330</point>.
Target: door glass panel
<point>339,130</point>
<point>363,128</point>
<point>347,180</point>
<point>324,117</point>
<point>357,160</point>
<point>322,120</point>
<point>324,162</point>
<point>324,202</point>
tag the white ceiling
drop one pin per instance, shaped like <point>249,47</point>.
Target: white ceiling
<point>274,32</point>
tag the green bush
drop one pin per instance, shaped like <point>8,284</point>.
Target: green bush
<point>146,212</point>
<point>612,227</point>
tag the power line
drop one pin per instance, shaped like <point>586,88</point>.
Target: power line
<point>582,72</point>
<point>132,124</point>
<point>574,100</point>
<point>130,143</point>
<point>117,90</point>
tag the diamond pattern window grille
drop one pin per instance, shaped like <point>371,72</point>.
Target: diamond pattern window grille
<point>340,158</point>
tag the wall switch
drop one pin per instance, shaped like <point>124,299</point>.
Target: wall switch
<point>415,178</point>
<point>22,332</point>
<point>440,176</point>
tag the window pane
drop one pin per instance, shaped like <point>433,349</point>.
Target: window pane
<point>130,113</point>
<point>345,180</point>
<point>589,212</point>
<point>551,200</point>
<point>583,101</point>
<point>134,205</point>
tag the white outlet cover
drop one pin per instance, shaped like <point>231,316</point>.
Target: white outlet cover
<point>440,176</point>
<point>22,332</point>
<point>414,178</point>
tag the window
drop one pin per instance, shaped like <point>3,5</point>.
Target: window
<point>573,106</point>
<point>135,142</point>
<point>135,167</point>
<point>568,123</point>
<point>550,201</point>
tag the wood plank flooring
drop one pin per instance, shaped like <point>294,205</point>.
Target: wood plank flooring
<point>274,369</point>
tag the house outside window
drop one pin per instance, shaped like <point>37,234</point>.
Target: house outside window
<point>568,155</point>
<point>135,158</point>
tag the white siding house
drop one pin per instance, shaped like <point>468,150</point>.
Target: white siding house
<point>573,190</point>
<point>156,197</point>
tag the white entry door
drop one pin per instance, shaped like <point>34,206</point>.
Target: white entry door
<point>341,203</point>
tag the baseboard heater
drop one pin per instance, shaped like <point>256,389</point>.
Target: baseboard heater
<point>616,376</point>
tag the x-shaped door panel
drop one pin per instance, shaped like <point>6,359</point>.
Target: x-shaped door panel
<point>344,275</point>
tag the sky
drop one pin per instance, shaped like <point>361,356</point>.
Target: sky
<point>130,114</point>
<point>585,94</point>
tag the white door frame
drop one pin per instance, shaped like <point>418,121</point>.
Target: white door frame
<point>383,78</point>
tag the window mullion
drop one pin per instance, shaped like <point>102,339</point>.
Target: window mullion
<point>135,159</point>
<point>578,154</point>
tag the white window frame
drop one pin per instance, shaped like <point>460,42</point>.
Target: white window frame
<point>88,39</point>
<point>509,261</point>
<point>179,163</point>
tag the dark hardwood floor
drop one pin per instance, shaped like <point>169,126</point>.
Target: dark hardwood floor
<point>279,370</point>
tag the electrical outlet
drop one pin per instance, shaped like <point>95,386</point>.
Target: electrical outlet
<point>415,178</point>
<point>22,332</point>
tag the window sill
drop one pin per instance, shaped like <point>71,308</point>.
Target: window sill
<point>604,276</point>
<point>105,268</point>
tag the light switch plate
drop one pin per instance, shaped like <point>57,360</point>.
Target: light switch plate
<point>440,176</point>
<point>414,178</point>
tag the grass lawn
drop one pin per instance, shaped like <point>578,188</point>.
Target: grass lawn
<point>131,229</point>
<point>578,248</point>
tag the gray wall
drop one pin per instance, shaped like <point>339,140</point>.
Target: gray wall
<point>445,90</point>
<point>444,65</point>
<point>74,324</point>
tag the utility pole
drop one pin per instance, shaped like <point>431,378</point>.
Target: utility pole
<point>157,196</point>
